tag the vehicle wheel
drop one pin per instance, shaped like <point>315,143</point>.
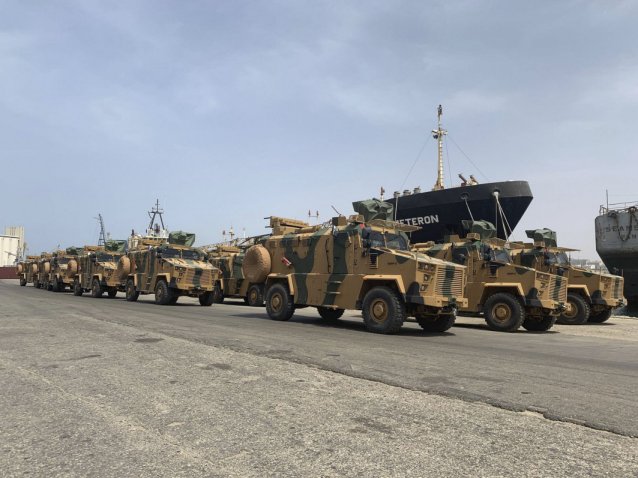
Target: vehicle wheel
<point>503,312</point>
<point>58,285</point>
<point>255,295</point>
<point>218,294</point>
<point>279,302</point>
<point>174,299</point>
<point>578,313</point>
<point>534,324</point>
<point>49,285</point>
<point>440,323</point>
<point>36,284</point>
<point>131,294</point>
<point>163,293</point>
<point>23,282</point>
<point>383,311</point>
<point>77,288</point>
<point>600,317</point>
<point>330,315</point>
<point>206,299</point>
<point>96,289</point>
<point>112,293</point>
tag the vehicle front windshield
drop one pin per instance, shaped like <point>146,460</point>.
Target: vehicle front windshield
<point>106,257</point>
<point>170,253</point>
<point>388,239</point>
<point>501,255</point>
<point>558,258</point>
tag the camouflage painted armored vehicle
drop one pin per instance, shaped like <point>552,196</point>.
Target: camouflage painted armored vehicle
<point>27,270</point>
<point>169,269</point>
<point>363,263</point>
<point>42,278</point>
<point>591,296</point>
<point>97,268</point>
<point>229,260</point>
<point>64,267</point>
<point>508,295</point>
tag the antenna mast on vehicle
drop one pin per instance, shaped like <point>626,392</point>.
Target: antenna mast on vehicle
<point>438,135</point>
<point>102,239</point>
<point>154,228</point>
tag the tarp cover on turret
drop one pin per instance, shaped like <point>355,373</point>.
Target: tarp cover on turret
<point>73,251</point>
<point>546,236</point>
<point>484,229</point>
<point>372,209</point>
<point>181,238</point>
<point>113,245</point>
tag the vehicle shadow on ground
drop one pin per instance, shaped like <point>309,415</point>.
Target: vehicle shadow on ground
<point>484,328</point>
<point>349,323</point>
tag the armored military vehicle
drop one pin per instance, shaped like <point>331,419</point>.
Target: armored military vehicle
<point>27,270</point>
<point>591,296</point>
<point>42,278</point>
<point>169,268</point>
<point>363,262</point>
<point>96,270</point>
<point>229,260</point>
<point>508,295</point>
<point>64,266</point>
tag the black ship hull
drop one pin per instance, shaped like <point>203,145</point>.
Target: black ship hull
<point>439,213</point>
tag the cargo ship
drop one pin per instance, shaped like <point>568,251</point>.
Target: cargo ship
<point>617,244</point>
<point>440,212</point>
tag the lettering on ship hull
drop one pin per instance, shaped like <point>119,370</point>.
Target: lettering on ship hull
<point>420,221</point>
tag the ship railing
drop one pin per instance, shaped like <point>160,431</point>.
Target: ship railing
<point>617,207</point>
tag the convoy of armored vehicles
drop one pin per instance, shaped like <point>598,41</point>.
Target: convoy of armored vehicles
<point>362,262</point>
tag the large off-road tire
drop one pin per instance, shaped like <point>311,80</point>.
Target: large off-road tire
<point>163,293</point>
<point>257,264</point>
<point>111,293</point>
<point>174,299</point>
<point>58,285</point>
<point>255,295</point>
<point>440,323</point>
<point>49,285</point>
<point>579,312</point>
<point>77,288</point>
<point>218,294</point>
<point>132,294</point>
<point>329,314</point>
<point>23,282</point>
<point>503,312</point>
<point>36,283</point>
<point>383,311</point>
<point>279,302</point>
<point>123,268</point>
<point>96,289</point>
<point>600,317</point>
<point>535,324</point>
<point>206,299</point>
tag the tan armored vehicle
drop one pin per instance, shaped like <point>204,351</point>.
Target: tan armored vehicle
<point>42,278</point>
<point>591,296</point>
<point>64,266</point>
<point>364,263</point>
<point>508,295</point>
<point>96,271</point>
<point>233,284</point>
<point>169,269</point>
<point>27,271</point>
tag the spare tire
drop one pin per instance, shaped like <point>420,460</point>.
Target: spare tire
<point>20,268</point>
<point>123,268</point>
<point>47,267</point>
<point>256,266</point>
<point>72,267</point>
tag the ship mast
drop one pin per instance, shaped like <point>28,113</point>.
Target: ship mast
<point>438,135</point>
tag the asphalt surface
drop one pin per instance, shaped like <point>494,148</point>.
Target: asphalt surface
<point>102,387</point>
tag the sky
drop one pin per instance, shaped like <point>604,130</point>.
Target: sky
<point>232,111</point>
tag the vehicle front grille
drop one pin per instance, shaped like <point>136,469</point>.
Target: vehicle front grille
<point>558,288</point>
<point>449,281</point>
<point>617,288</point>
<point>203,280</point>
